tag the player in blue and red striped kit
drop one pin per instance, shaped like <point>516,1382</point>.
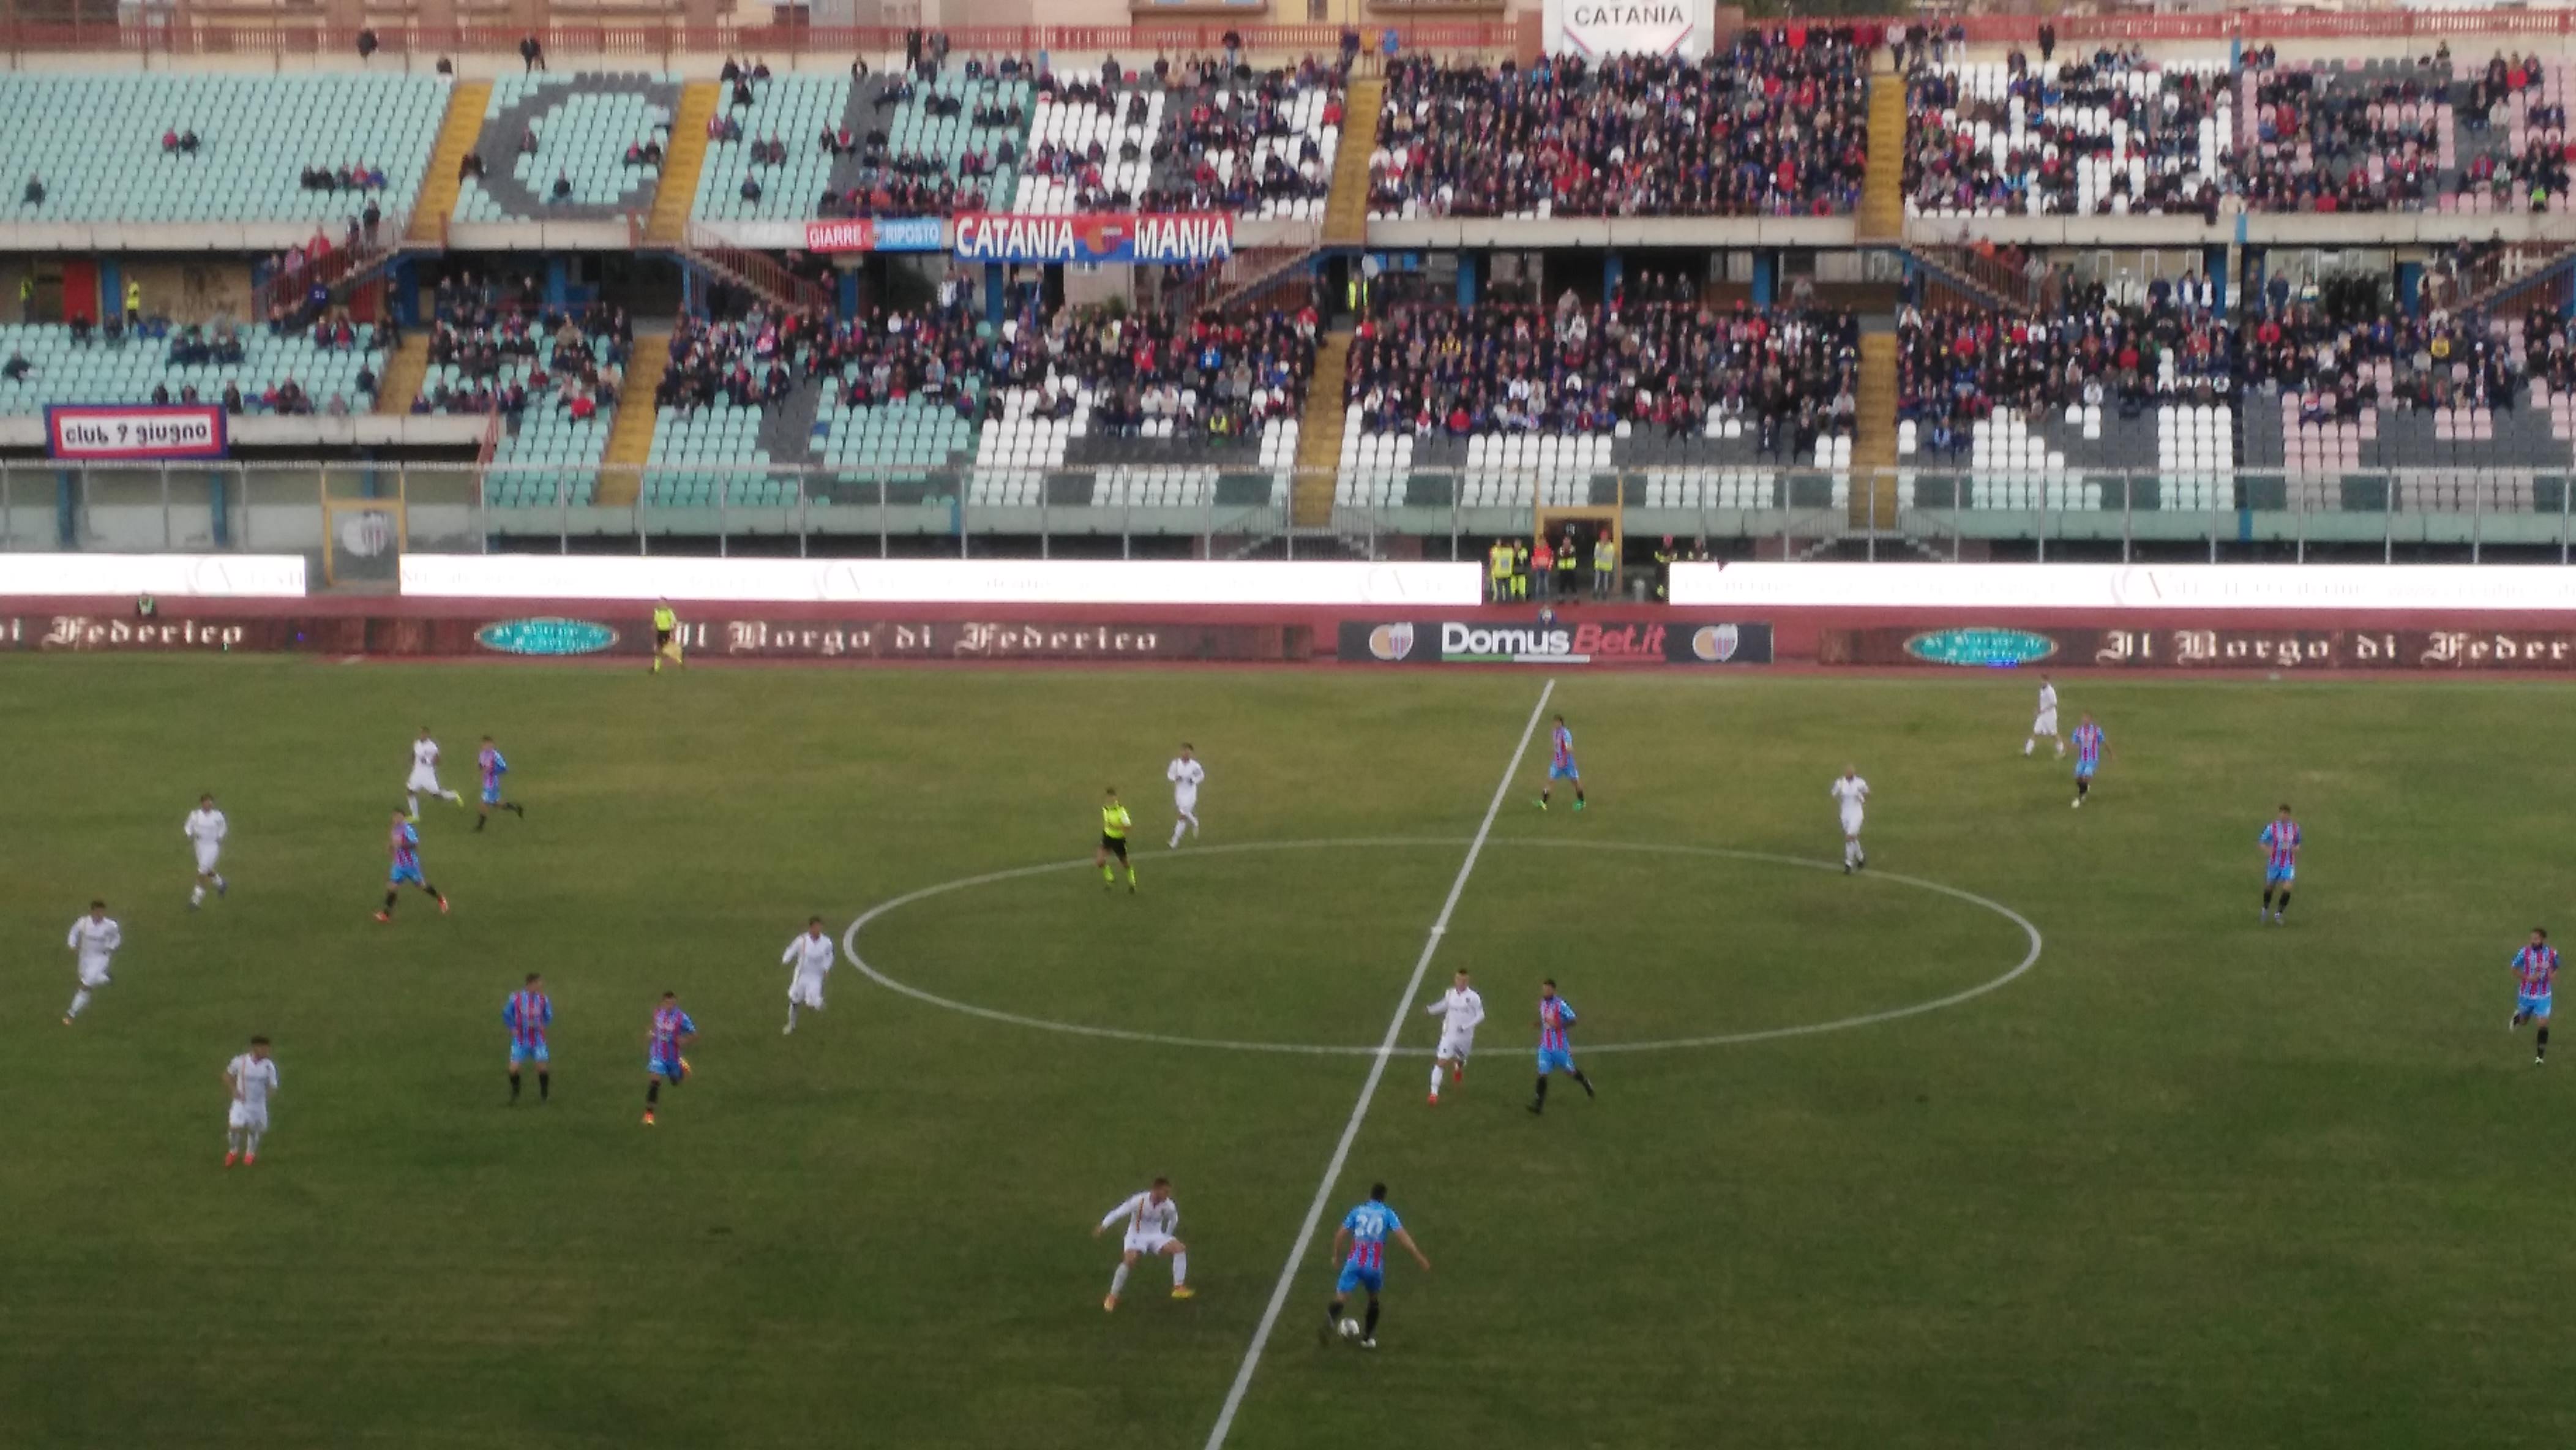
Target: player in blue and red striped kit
<point>1364,1233</point>
<point>528,1014</point>
<point>494,767</point>
<point>2280,842</point>
<point>404,845</point>
<point>672,1031</point>
<point>2088,757</point>
<point>1555,1050</point>
<point>1560,765</point>
<point>2535,969</point>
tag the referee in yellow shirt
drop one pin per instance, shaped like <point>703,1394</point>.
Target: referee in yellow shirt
<point>666,629</point>
<point>1114,822</point>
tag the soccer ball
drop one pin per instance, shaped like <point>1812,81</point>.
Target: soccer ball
<point>1350,1329</point>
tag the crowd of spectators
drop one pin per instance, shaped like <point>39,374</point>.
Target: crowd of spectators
<point>1226,115</point>
<point>2153,138</point>
<point>1208,375</point>
<point>1660,359</point>
<point>1956,366</point>
<point>499,349</point>
<point>2334,364</point>
<point>1776,125</point>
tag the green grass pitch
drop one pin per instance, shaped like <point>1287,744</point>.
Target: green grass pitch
<point>2189,1181</point>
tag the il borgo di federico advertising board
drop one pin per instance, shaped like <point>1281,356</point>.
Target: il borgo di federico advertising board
<point>1586,642</point>
<point>1598,28</point>
<point>164,576</point>
<point>2278,651</point>
<point>1356,583</point>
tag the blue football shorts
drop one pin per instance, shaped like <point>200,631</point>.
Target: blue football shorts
<point>405,876</point>
<point>1555,1059</point>
<point>520,1053</point>
<point>2530,1005</point>
<point>2280,875</point>
<point>1357,1276</point>
<point>492,794</point>
<point>1567,771</point>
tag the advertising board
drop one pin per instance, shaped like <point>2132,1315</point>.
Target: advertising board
<point>2274,650</point>
<point>1584,642</point>
<point>89,433</point>
<point>1350,582</point>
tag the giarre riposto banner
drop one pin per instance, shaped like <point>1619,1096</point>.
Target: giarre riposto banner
<point>1142,238</point>
<point>1586,642</point>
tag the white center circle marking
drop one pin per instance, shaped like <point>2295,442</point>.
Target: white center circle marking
<point>850,948</point>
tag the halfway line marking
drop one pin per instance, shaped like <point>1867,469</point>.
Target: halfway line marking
<point>1368,1089</point>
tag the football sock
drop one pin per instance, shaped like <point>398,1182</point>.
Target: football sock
<point>1578,795</point>
<point>233,1139</point>
<point>451,795</point>
<point>250,1143</point>
<point>1435,1078</point>
<point>1131,878</point>
<point>791,1014</point>
<point>652,1091</point>
<point>80,1000</point>
<point>545,1086</point>
<point>1108,874</point>
<point>2544,1044</point>
<point>389,898</point>
<point>1333,1314</point>
<point>1542,1089</point>
<point>1118,1280</point>
<point>2285,902</point>
<point>2267,898</point>
<point>1180,1270</point>
<point>219,883</point>
<point>415,804</point>
<point>2083,787</point>
<point>198,895</point>
<point>514,1087</point>
<point>516,809</point>
<point>2028,745</point>
<point>480,817</point>
<point>1583,1082</point>
<point>1177,828</point>
<point>1369,1330</point>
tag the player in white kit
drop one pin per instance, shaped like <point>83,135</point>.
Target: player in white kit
<point>2045,723</point>
<point>424,774</point>
<point>1459,1010</point>
<point>1850,790</point>
<point>1151,1217</point>
<point>1185,773</point>
<point>96,937</point>
<point>206,827</point>
<point>810,952</point>
<point>252,1077</point>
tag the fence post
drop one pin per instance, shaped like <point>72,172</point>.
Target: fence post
<point>724,538</point>
<point>2477,521</point>
<point>2565,483</point>
<point>2043,518</point>
<point>2128,502</point>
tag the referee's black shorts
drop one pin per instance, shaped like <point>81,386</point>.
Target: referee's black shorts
<point>1117,844</point>
<point>661,639</point>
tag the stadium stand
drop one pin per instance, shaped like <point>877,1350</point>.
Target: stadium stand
<point>2111,133</point>
<point>1709,408</point>
<point>249,370</point>
<point>931,143</point>
<point>583,126</point>
<point>97,144</point>
<point>1090,143</point>
<point>1253,143</point>
<point>1999,411</point>
<point>1777,125</point>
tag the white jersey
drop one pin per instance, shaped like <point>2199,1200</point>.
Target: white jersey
<point>1850,791</point>
<point>2045,723</point>
<point>1185,773</point>
<point>254,1078</point>
<point>206,828</point>
<point>96,941</point>
<point>811,955</point>
<point>1150,1225</point>
<point>424,764</point>
<point>1459,1010</point>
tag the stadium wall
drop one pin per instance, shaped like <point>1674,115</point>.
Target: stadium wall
<point>2357,622</point>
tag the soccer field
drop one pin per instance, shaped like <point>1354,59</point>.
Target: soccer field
<point>2186,1180</point>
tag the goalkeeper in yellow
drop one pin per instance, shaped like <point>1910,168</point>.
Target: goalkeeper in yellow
<point>1114,822</point>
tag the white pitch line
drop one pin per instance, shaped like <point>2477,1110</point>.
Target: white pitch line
<point>1368,1089</point>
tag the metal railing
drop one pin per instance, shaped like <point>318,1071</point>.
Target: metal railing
<point>2390,516</point>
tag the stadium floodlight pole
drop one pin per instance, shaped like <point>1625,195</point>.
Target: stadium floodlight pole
<point>1368,1087</point>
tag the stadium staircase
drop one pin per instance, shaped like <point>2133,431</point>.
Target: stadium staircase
<point>466,101</point>
<point>1346,214</point>
<point>1874,444</point>
<point>1882,187</point>
<point>1319,435</point>
<point>404,372</point>
<point>678,194</point>
<point>630,439</point>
